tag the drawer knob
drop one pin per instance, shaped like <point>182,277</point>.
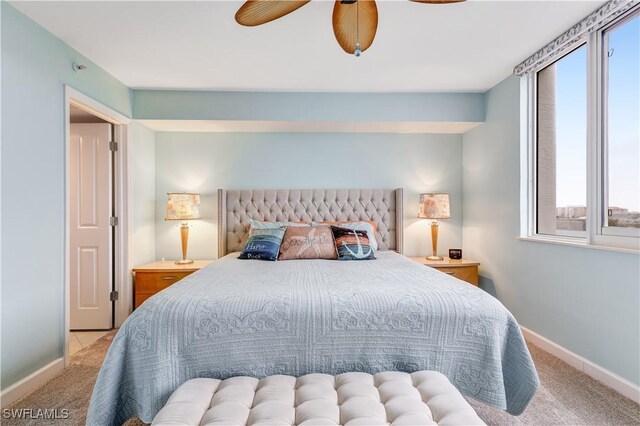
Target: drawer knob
<point>169,277</point>
<point>449,273</point>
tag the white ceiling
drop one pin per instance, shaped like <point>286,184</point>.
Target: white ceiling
<point>467,46</point>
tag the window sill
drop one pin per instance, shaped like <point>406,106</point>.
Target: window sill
<point>574,243</point>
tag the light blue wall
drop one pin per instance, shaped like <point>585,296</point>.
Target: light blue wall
<point>143,194</point>
<point>185,105</point>
<point>583,299</point>
<point>203,162</point>
<point>35,67</point>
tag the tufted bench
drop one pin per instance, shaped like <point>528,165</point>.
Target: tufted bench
<point>421,398</point>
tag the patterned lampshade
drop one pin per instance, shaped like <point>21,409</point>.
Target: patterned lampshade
<point>182,206</point>
<point>434,206</point>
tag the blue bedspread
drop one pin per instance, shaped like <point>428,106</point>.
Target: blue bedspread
<point>256,318</point>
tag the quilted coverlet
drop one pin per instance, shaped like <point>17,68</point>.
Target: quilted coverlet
<point>248,317</point>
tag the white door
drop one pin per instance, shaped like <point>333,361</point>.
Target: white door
<point>90,234</point>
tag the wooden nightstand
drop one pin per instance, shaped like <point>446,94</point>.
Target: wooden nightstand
<point>464,269</point>
<point>153,277</point>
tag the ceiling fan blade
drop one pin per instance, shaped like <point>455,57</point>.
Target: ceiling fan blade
<point>258,12</point>
<point>353,22</point>
<point>437,1</point>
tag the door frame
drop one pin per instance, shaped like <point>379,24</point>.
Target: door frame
<point>122,202</point>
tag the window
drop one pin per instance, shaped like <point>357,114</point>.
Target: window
<point>583,139</point>
<point>621,82</point>
<point>562,146</point>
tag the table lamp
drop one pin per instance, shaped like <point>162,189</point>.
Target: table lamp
<point>183,206</point>
<point>434,206</point>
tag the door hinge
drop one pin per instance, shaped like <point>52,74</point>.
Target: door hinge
<point>113,146</point>
<point>113,221</point>
<point>113,296</point>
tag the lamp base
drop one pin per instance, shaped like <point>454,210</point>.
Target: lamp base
<point>435,258</point>
<point>184,238</point>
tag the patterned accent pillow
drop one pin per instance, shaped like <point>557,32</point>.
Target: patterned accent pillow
<point>361,225</point>
<point>263,244</point>
<point>257,224</point>
<point>308,242</point>
<point>352,244</point>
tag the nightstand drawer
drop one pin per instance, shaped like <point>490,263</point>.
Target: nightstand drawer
<point>153,282</point>
<point>462,269</point>
<point>156,276</point>
<point>464,273</point>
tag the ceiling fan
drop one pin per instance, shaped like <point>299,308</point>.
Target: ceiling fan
<point>354,21</point>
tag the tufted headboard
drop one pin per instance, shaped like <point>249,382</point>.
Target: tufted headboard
<point>236,207</point>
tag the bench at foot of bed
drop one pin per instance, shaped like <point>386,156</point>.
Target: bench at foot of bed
<point>421,398</point>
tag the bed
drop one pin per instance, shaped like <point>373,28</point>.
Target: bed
<point>255,318</point>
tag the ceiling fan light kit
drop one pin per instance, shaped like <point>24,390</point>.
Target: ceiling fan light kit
<point>355,22</point>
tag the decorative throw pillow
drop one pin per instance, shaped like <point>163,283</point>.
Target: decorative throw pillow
<point>361,225</point>
<point>263,244</point>
<point>308,242</point>
<point>257,224</point>
<point>352,244</point>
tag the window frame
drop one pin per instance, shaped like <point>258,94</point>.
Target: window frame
<point>561,234</point>
<point>597,235</point>
<point>603,145</point>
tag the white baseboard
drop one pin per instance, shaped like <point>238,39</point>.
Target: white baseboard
<point>31,382</point>
<point>604,376</point>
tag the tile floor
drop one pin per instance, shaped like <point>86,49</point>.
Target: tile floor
<point>79,340</point>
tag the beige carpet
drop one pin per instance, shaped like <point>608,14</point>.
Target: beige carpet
<point>566,396</point>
